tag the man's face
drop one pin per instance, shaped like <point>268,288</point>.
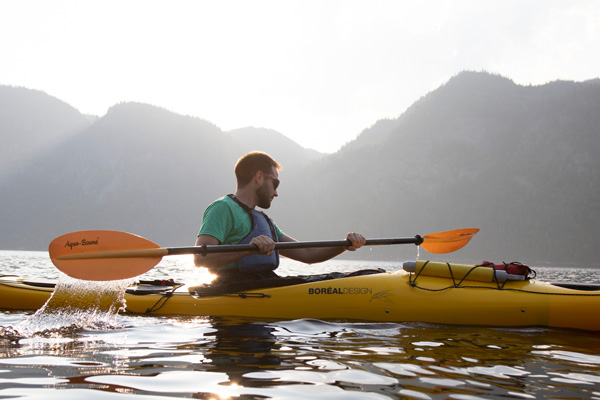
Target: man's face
<point>268,190</point>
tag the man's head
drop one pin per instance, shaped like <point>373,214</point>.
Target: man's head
<point>249,164</point>
<point>262,170</point>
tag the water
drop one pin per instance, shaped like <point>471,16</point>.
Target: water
<point>216,358</point>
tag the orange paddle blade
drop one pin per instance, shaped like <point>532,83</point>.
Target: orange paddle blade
<point>449,241</point>
<point>104,255</point>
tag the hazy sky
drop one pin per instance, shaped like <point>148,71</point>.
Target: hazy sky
<point>317,71</point>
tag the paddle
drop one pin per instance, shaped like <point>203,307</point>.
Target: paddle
<point>111,255</point>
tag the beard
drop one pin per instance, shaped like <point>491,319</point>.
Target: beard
<point>264,197</point>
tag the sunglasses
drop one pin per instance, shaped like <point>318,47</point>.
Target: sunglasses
<point>275,181</point>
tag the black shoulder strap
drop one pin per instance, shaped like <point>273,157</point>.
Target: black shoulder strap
<point>270,222</point>
<point>249,211</point>
<point>245,207</point>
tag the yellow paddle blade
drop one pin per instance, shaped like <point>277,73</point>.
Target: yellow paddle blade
<point>104,255</point>
<point>449,241</point>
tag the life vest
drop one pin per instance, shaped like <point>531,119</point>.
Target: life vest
<point>261,225</point>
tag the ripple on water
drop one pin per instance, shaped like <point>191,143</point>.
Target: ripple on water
<point>571,356</point>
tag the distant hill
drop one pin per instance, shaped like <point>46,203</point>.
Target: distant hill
<point>139,168</point>
<point>519,162</point>
<point>31,122</point>
<point>273,142</point>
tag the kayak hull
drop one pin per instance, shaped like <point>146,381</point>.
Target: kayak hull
<point>386,297</point>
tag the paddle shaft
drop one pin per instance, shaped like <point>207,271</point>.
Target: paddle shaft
<point>204,249</point>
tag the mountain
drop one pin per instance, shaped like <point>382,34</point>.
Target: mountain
<point>273,142</point>
<point>139,168</point>
<point>31,122</point>
<point>519,162</point>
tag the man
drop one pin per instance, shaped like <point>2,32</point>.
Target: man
<point>233,219</point>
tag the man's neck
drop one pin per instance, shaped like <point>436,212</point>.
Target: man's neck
<point>246,197</point>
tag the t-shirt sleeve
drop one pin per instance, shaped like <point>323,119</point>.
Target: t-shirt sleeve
<point>279,231</point>
<point>216,221</point>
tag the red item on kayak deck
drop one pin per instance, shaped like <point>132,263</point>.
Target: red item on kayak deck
<point>512,268</point>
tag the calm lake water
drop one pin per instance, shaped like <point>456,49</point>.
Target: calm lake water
<point>209,358</point>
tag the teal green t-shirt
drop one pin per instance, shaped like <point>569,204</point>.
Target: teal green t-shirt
<point>227,221</point>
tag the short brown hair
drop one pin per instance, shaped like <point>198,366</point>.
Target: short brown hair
<point>249,164</point>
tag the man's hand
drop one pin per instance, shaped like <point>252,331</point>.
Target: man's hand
<point>265,244</point>
<point>357,241</point>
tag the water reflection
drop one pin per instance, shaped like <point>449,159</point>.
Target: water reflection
<point>204,358</point>
<point>240,347</point>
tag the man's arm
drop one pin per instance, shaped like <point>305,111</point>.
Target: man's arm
<point>311,255</point>
<point>214,261</point>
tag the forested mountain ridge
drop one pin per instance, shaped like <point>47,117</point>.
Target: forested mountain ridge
<point>31,122</point>
<point>139,168</point>
<point>519,162</point>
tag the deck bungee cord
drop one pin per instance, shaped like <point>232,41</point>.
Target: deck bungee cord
<point>419,268</point>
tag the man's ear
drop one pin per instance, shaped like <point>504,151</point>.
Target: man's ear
<point>259,177</point>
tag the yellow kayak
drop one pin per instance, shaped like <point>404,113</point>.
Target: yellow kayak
<point>428,292</point>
